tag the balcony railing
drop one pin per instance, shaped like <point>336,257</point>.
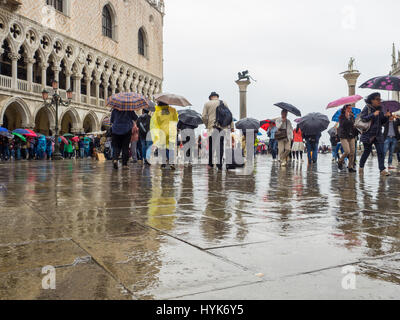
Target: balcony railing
<point>5,82</point>
<point>22,85</point>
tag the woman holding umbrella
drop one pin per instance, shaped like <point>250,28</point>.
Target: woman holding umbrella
<point>373,114</point>
<point>347,134</point>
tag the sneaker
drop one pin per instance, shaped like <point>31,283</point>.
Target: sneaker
<point>147,163</point>
<point>163,166</point>
<point>352,170</point>
<point>172,167</point>
<point>385,173</point>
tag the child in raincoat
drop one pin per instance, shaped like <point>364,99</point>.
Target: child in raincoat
<point>41,147</point>
<point>163,130</point>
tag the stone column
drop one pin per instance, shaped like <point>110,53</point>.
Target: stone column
<point>29,67</point>
<point>97,84</point>
<point>14,61</point>
<point>44,67</point>
<point>105,85</point>
<point>88,84</point>
<point>68,79</point>
<point>56,71</point>
<point>243,97</point>
<point>77,87</point>
<point>351,78</point>
<point>135,84</point>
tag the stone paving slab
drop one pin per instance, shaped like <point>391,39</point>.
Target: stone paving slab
<point>326,285</point>
<point>155,266</point>
<point>80,282</point>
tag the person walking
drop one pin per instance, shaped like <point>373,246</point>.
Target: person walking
<point>298,144</point>
<point>284,135</point>
<point>122,123</point>
<point>134,141</point>
<point>143,124</point>
<point>312,143</point>
<point>391,137</point>
<point>273,143</point>
<point>214,128</point>
<point>49,148</point>
<point>164,132</point>
<point>347,134</point>
<point>373,113</point>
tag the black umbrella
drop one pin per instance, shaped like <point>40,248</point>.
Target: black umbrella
<point>314,123</point>
<point>190,117</point>
<point>332,131</point>
<point>248,124</point>
<point>151,107</point>
<point>388,83</point>
<point>288,107</point>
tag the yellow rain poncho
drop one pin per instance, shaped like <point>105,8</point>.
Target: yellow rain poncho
<point>163,126</point>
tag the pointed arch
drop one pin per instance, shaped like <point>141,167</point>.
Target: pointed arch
<point>22,116</point>
<point>109,22</point>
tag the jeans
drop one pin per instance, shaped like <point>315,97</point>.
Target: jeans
<point>312,147</point>
<point>274,148</point>
<point>212,148</point>
<point>390,145</point>
<point>146,148</point>
<point>367,151</point>
<point>134,150</point>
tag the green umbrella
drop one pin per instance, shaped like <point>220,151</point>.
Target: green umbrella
<point>68,135</point>
<point>19,136</point>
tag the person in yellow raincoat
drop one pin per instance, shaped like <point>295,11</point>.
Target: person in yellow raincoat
<point>163,130</point>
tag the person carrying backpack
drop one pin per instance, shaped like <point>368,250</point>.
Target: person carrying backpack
<point>216,117</point>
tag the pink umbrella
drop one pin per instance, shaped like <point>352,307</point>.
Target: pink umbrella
<point>343,101</point>
<point>64,140</point>
<point>31,134</point>
<point>75,139</point>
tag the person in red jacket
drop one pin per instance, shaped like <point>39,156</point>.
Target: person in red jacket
<point>298,144</point>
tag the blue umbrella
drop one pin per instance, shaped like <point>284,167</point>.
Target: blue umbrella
<point>3,129</point>
<point>21,131</point>
<point>336,116</point>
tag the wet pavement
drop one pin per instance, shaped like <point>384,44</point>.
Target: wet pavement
<point>194,233</point>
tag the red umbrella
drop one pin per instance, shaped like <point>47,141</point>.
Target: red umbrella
<point>266,124</point>
<point>31,134</point>
<point>75,139</point>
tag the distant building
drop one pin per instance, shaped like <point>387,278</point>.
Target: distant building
<point>395,69</point>
<point>95,47</point>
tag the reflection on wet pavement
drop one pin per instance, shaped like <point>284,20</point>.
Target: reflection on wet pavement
<point>192,233</point>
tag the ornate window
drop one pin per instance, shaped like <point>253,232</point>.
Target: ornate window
<point>57,4</point>
<point>142,43</point>
<point>107,23</point>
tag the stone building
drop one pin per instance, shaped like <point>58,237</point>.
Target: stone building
<point>93,47</point>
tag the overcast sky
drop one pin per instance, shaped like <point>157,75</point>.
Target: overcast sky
<point>295,49</point>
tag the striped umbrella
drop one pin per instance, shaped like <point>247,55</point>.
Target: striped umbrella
<point>127,101</point>
<point>106,122</point>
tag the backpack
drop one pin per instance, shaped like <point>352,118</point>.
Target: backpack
<point>223,116</point>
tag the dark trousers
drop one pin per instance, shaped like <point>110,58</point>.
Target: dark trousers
<point>367,151</point>
<point>121,143</point>
<point>211,151</point>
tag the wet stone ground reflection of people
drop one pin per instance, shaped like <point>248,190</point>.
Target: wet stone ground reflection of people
<point>148,233</point>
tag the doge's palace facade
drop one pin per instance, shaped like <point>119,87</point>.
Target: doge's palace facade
<point>94,47</point>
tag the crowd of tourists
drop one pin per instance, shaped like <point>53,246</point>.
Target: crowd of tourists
<point>153,132</point>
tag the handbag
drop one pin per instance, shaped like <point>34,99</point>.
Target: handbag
<point>281,134</point>
<point>361,125</point>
